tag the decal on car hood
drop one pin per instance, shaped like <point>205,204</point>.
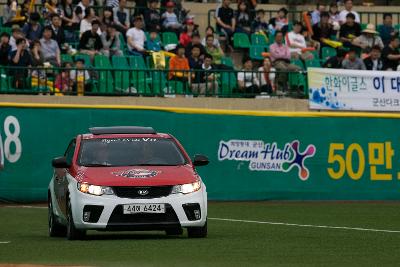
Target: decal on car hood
<point>137,173</point>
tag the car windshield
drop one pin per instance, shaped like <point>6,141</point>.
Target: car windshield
<point>130,152</point>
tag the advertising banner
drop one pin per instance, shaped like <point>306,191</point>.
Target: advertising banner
<point>338,89</point>
<point>259,156</point>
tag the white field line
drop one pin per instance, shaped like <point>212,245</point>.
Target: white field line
<point>308,225</point>
<point>25,207</point>
<point>5,242</point>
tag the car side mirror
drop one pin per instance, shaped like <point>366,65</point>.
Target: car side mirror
<point>60,163</point>
<point>200,160</point>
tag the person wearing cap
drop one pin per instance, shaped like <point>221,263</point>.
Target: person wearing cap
<point>170,20</point>
<point>374,60</point>
<point>179,66</point>
<point>121,17</point>
<point>348,9</point>
<point>152,16</point>
<point>111,42</point>
<point>49,48</point>
<point>136,38</point>
<point>353,62</point>
<point>369,37</point>
<point>32,29</point>
<point>5,48</point>
<point>186,36</point>
<point>90,42</point>
<point>349,30</point>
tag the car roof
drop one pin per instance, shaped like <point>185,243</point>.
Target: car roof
<point>123,132</point>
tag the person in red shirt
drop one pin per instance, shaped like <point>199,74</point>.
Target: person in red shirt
<point>186,36</point>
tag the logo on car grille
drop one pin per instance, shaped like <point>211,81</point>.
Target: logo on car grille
<point>143,192</point>
<point>137,173</point>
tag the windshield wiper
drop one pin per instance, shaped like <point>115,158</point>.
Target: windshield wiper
<point>155,164</point>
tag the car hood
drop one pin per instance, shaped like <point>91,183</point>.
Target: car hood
<point>137,175</point>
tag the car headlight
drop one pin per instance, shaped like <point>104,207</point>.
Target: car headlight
<point>186,188</point>
<point>96,190</point>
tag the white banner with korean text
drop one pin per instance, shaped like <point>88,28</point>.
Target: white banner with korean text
<point>338,89</point>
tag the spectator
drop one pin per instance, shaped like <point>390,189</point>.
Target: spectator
<point>78,17</point>
<point>194,59</point>
<point>368,39</point>
<point>335,62</point>
<point>110,40</point>
<point>243,18</point>
<point>170,20</point>
<point>69,22</point>
<point>86,23</point>
<point>374,61</point>
<point>323,29</point>
<point>5,49</point>
<point>210,31</point>
<point>195,41</point>
<point>349,30</point>
<point>348,8</point>
<point>386,30</point>
<point>90,42</point>
<point>63,81</point>
<point>247,79</point>
<point>32,29</point>
<point>280,22</point>
<point>334,18</point>
<point>37,60</point>
<point>136,38</point>
<point>154,43</point>
<point>83,4</point>
<point>267,76</point>
<point>139,7</point>
<point>152,16</point>
<point>205,81</point>
<point>112,3</point>
<point>316,14</point>
<point>353,62</point>
<point>280,56</point>
<point>121,17</point>
<point>226,22</point>
<point>49,48</point>
<point>107,18</point>
<point>79,76</point>
<point>260,23</point>
<point>391,54</point>
<point>16,33</point>
<point>20,58</point>
<point>186,36</point>
<point>50,9</point>
<point>216,52</point>
<point>179,66</point>
<point>297,42</point>
<point>9,12</point>
<point>58,32</point>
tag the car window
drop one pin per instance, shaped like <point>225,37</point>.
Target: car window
<point>69,153</point>
<point>130,152</point>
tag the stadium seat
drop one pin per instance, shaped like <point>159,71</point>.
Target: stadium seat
<point>227,61</point>
<point>315,63</point>
<point>121,73</point>
<point>259,40</point>
<point>298,80</point>
<point>328,52</point>
<point>363,26</point>
<point>5,29</point>
<point>105,78</point>
<point>169,38</point>
<point>228,83</point>
<point>256,52</point>
<point>298,62</point>
<point>139,78</point>
<point>241,40</point>
<point>66,58</point>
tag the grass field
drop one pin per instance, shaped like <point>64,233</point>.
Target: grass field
<point>23,238</point>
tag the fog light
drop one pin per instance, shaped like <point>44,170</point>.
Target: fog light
<point>86,216</point>
<point>197,214</point>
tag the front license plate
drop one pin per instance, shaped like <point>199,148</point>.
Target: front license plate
<point>144,208</point>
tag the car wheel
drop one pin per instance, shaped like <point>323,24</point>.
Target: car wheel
<point>197,232</point>
<point>55,229</point>
<point>72,232</point>
<point>174,231</point>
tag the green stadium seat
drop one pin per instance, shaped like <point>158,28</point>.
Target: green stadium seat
<point>363,26</point>
<point>66,58</point>
<point>256,52</point>
<point>259,40</point>
<point>298,62</point>
<point>121,73</point>
<point>5,29</point>
<point>315,53</point>
<point>228,83</point>
<point>315,63</point>
<point>328,52</point>
<point>105,78</point>
<point>241,40</point>
<point>139,77</point>
<point>227,61</point>
<point>169,38</point>
<point>298,80</point>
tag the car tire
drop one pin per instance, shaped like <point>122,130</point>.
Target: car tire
<point>197,232</point>
<point>174,231</point>
<point>72,232</point>
<point>55,229</point>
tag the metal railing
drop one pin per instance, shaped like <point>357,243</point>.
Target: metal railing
<point>147,82</point>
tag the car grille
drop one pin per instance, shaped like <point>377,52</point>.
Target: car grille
<point>134,191</point>
<point>118,220</point>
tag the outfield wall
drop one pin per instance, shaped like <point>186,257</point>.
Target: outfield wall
<point>254,155</point>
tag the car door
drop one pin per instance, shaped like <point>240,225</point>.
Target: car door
<point>61,181</point>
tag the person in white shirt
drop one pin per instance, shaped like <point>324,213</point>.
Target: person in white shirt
<point>267,76</point>
<point>136,38</point>
<point>296,42</point>
<point>83,4</point>
<point>247,79</point>
<point>86,23</point>
<point>348,8</point>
